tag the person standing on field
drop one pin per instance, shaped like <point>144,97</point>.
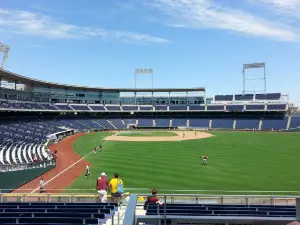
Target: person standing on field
<point>101,187</point>
<point>42,186</point>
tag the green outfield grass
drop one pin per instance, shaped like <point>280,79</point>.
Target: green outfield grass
<point>242,161</point>
<point>146,133</point>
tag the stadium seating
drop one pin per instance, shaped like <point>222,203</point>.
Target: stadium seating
<point>179,122</point>
<point>56,213</point>
<point>130,107</point>
<point>222,123</point>
<point>113,107</point>
<point>146,108</point>
<point>215,107</point>
<point>63,107</point>
<point>199,123</point>
<point>276,123</point>
<point>268,96</point>
<point>235,107</point>
<point>161,107</point>
<point>97,107</point>
<point>246,97</point>
<point>118,123</point>
<point>255,107</point>
<point>276,107</point>
<point>247,123</point>
<point>145,122</point>
<point>295,122</point>
<point>197,107</point>
<point>81,107</point>
<point>222,210</point>
<point>162,122</point>
<point>177,107</point>
<point>223,97</point>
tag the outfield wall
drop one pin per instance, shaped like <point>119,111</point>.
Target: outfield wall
<point>12,180</point>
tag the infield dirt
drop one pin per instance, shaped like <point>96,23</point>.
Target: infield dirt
<point>181,136</point>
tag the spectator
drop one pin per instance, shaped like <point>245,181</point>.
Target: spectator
<point>101,187</point>
<point>42,186</point>
<point>153,199</point>
<point>116,187</point>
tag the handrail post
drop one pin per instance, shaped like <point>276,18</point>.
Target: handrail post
<point>130,218</point>
<point>298,208</point>
<point>165,210</point>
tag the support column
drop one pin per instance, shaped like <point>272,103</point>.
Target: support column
<point>234,124</point>
<point>187,123</point>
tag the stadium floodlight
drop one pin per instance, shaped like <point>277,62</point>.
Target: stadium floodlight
<point>5,49</point>
<point>142,71</point>
<point>246,67</point>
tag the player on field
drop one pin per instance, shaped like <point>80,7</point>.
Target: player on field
<point>100,148</point>
<point>87,171</point>
<point>204,159</point>
<point>94,150</point>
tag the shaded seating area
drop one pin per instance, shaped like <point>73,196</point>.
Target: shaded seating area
<point>56,213</point>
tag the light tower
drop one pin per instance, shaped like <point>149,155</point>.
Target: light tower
<point>246,67</point>
<point>5,49</point>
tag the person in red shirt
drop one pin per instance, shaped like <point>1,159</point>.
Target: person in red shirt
<point>153,199</point>
<point>101,187</point>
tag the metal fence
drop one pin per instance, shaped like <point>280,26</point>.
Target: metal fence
<point>33,165</point>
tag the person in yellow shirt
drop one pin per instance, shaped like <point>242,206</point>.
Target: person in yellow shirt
<point>116,187</point>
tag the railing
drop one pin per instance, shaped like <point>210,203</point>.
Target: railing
<point>134,216</point>
<point>33,165</point>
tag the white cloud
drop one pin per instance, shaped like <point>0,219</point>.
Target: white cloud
<point>207,14</point>
<point>286,7</point>
<point>40,25</point>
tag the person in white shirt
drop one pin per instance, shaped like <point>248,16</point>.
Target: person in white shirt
<point>87,171</point>
<point>42,186</point>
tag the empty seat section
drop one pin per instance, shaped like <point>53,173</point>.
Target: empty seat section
<point>80,107</point>
<point>255,107</point>
<point>63,107</point>
<point>268,96</point>
<point>222,123</point>
<point>223,97</point>
<point>161,107</point>
<point>118,123</point>
<point>145,122</point>
<point>247,97</point>
<point>276,107</point>
<point>162,122</point>
<point>177,107</point>
<point>199,123</point>
<point>215,107</point>
<point>276,123</point>
<point>130,107</point>
<point>197,107</point>
<point>146,108</point>
<point>295,122</point>
<point>235,107</point>
<point>222,210</point>
<point>247,123</point>
<point>113,107</point>
<point>97,107</point>
<point>179,122</point>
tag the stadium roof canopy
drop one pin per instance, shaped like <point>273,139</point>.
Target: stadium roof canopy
<point>19,79</point>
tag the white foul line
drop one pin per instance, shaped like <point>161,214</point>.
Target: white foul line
<point>64,170</point>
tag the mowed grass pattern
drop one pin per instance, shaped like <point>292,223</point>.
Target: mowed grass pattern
<point>147,134</point>
<point>241,161</point>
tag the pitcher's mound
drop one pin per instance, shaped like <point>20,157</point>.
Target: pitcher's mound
<point>181,136</point>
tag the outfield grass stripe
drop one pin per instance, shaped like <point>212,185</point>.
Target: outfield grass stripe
<point>237,161</point>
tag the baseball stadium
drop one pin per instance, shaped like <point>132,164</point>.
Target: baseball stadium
<point>223,159</point>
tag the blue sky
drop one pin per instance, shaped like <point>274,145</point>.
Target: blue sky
<point>188,43</point>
